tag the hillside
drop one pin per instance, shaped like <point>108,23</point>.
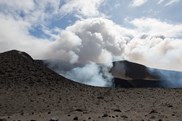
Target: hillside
<point>30,91</point>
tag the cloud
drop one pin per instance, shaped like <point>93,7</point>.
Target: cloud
<point>168,2</point>
<point>86,8</point>
<point>18,4</point>
<point>89,42</point>
<point>101,41</point>
<point>98,40</point>
<point>157,41</point>
<point>14,35</point>
<point>155,51</point>
<point>137,3</point>
<point>156,27</point>
<point>19,18</point>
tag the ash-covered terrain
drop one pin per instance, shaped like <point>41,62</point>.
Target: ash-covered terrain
<point>29,91</point>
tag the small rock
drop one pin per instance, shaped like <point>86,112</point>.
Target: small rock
<point>124,116</point>
<point>117,110</point>
<point>153,111</point>
<point>79,110</point>
<point>100,97</point>
<point>152,117</point>
<point>170,106</point>
<point>105,115</point>
<point>75,118</point>
<point>54,119</point>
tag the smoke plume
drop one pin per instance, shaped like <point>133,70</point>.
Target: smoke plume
<point>88,43</point>
<point>170,79</point>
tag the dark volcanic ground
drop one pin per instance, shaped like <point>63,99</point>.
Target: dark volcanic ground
<point>31,92</point>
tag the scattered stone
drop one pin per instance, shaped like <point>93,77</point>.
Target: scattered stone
<point>170,106</point>
<point>79,110</point>
<point>117,110</point>
<point>54,119</point>
<point>105,115</point>
<point>152,117</point>
<point>100,97</point>
<point>153,111</point>
<point>75,118</point>
<point>124,116</point>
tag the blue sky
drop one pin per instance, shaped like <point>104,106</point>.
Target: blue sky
<point>137,30</point>
<point>119,11</point>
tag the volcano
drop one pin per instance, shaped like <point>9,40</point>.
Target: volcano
<point>31,91</point>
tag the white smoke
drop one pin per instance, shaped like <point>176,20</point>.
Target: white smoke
<point>97,40</point>
<point>91,74</point>
<point>171,79</point>
<point>155,51</point>
<point>90,42</point>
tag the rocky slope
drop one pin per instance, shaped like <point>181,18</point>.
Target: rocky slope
<point>32,92</point>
